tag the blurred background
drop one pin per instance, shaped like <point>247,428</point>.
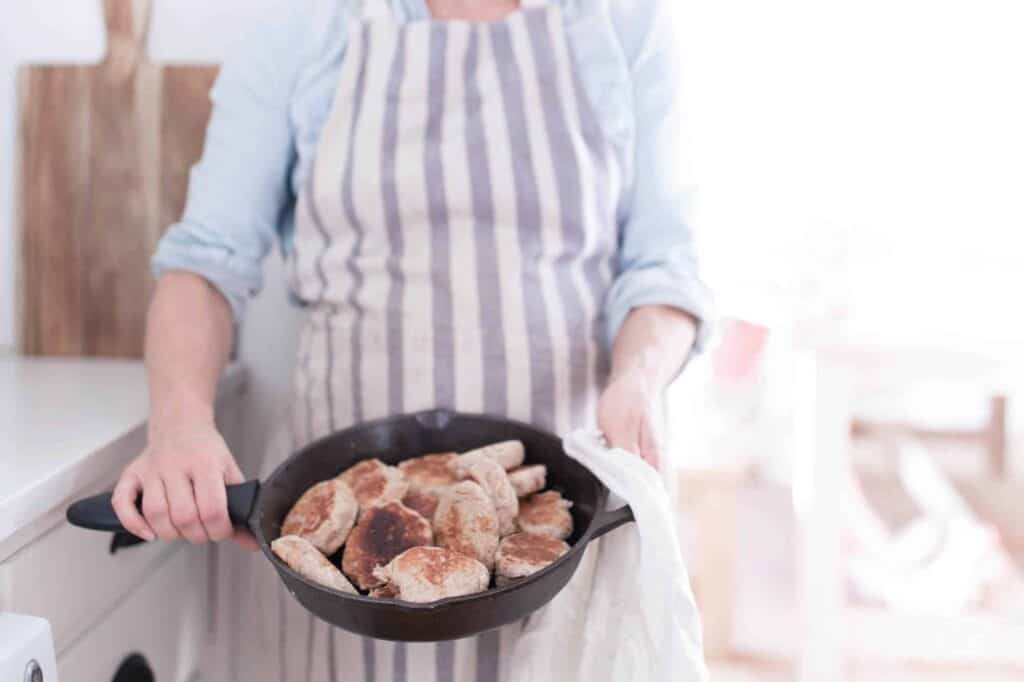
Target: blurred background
<point>851,447</point>
<point>848,454</point>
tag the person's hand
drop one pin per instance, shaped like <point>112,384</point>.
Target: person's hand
<point>626,415</point>
<point>181,475</point>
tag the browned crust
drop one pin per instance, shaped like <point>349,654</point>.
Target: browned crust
<point>323,515</point>
<point>467,522</point>
<point>311,511</point>
<point>424,503</point>
<point>385,591</point>
<point>373,482</point>
<point>532,548</point>
<point>429,573</point>
<point>429,472</point>
<point>546,513</point>
<point>382,533</point>
<point>307,561</point>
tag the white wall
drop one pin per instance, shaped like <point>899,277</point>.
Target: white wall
<point>884,132</point>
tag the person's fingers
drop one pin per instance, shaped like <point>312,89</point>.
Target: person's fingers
<point>245,539</point>
<point>184,514</point>
<point>123,500</point>
<point>624,434</point>
<point>212,503</point>
<point>649,447</point>
<point>154,508</point>
<point>232,474</point>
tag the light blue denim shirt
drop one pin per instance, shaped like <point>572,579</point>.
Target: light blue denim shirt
<point>274,94</point>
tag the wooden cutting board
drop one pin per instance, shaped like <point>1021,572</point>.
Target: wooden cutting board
<point>105,155</point>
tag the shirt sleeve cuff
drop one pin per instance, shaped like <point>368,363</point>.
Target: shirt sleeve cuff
<point>634,289</point>
<point>212,265</point>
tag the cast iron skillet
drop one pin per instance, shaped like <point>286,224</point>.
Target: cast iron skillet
<point>262,508</point>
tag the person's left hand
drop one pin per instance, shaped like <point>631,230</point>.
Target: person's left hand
<point>626,416</point>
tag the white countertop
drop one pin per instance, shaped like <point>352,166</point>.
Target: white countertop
<point>64,422</point>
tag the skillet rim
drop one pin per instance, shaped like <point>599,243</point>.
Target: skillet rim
<point>405,607</point>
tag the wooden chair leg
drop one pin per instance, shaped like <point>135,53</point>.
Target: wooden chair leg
<point>996,436</point>
<point>709,501</point>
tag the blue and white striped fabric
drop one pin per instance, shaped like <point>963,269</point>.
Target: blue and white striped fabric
<point>454,244</point>
<point>274,96</point>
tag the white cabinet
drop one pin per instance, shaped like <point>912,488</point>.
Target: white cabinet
<point>70,577</point>
<point>69,427</point>
<point>26,649</point>
<point>161,619</point>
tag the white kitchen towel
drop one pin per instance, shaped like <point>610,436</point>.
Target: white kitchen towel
<point>629,614</point>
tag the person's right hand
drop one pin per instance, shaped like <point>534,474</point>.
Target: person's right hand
<point>181,475</point>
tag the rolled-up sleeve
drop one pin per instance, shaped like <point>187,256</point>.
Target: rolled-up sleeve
<point>657,262</point>
<point>239,191</point>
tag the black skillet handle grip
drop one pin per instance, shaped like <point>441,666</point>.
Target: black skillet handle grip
<point>97,512</point>
<point>608,521</point>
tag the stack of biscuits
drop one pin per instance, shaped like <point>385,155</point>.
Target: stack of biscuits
<point>436,526</point>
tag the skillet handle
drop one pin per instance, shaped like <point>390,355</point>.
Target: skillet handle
<point>607,521</point>
<point>97,512</point>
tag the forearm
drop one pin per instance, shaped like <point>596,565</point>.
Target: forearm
<point>189,334</point>
<point>653,342</point>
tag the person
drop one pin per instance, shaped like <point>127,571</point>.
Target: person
<point>481,209</point>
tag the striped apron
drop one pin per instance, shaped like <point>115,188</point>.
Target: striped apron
<point>454,246</point>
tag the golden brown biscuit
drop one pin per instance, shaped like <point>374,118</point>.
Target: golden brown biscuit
<point>385,591</point>
<point>546,514</point>
<point>382,533</point>
<point>429,472</point>
<point>524,554</point>
<point>306,560</point>
<point>528,479</point>
<point>493,479</point>
<point>324,515</point>
<point>509,454</point>
<point>466,522</point>
<point>423,502</point>
<point>373,482</point>
<point>426,574</point>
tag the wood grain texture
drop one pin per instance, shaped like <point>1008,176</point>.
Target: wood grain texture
<point>55,193</point>
<point>105,158</point>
